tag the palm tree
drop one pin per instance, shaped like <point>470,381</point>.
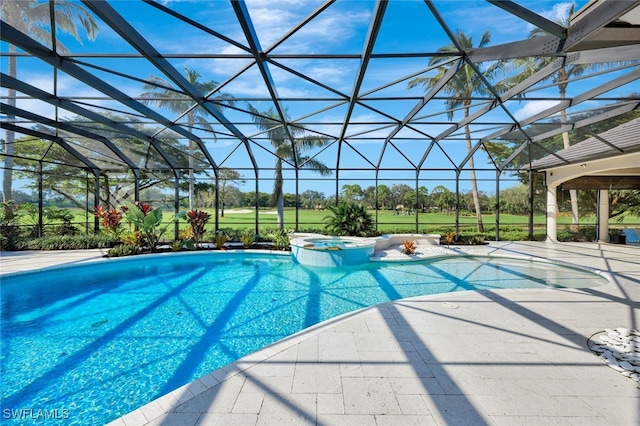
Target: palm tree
<point>530,65</point>
<point>178,102</point>
<point>33,18</point>
<point>465,83</point>
<point>269,121</point>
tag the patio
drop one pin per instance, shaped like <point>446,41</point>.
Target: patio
<point>498,357</point>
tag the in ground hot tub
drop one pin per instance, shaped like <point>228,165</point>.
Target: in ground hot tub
<point>319,250</point>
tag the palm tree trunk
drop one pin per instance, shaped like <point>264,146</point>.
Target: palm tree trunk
<point>280,206</point>
<point>191,183</point>
<point>9,149</point>
<point>191,121</point>
<point>472,173</point>
<point>278,195</point>
<point>573,194</point>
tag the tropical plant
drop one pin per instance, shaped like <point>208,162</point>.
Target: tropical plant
<point>349,219</point>
<point>159,93</point>
<point>280,239</point>
<point>33,18</point>
<point>132,238</point>
<point>184,241</point>
<point>461,88</point>
<point>247,238</point>
<point>110,219</point>
<point>450,237</point>
<point>289,143</point>
<point>408,247</point>
<point>197,219</point>
<point>220,238</point>
<point>148,221</point>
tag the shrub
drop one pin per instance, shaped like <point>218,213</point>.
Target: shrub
<point>109,218</point>
<point>476,239</point>
<point>69,242</point>
<point>247,238</point>
<point>147,220</point>
<point>180,244</point>
<point>124,250</point>
<point>197,221</point>
<point>10,232</point>
<point>54,214</point>
<point>579,235</point>
<point>513,234</point>
<point>220,238</point>
<point>280,239</point>
<point>350,219</point>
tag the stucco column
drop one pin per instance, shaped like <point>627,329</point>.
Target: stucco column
<point>552,212</point>
<point>603,216</point>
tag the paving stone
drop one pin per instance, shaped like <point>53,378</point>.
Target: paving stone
<point>369,395</point>
<point>288,409</point>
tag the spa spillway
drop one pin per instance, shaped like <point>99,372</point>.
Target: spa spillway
<point>326,251</point>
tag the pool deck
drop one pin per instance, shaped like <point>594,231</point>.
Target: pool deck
<point>502,357</point>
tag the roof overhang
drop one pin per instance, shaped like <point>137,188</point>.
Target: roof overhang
<point>603,182</point>
<point>621,28</point>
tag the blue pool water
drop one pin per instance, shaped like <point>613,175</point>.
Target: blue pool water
<point>95,342</point>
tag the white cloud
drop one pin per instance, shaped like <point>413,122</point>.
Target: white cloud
<point>531,108</point>
<point>558,13</point>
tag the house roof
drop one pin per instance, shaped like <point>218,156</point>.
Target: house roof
<point>622,139</point>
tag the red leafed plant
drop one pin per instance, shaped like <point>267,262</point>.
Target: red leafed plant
<point>110,218</point>
<point>197,220</point>
<point>144,207</point>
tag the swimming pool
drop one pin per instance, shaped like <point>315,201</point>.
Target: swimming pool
<point>97,341</point>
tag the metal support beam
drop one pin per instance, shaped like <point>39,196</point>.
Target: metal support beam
<point>372,34</point>
<point>80,131</point>
<point>40,201</point>
<point>256,50</point>
<point>531,17</point>
<point>140,43</point>
<point>17,38</point>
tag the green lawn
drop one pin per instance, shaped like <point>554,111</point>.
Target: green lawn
<point>387,221</point>
<point>237,219</point>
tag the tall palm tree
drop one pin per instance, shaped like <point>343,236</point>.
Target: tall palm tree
<point>269,121</point>
<point>33,18</point>
<point>178,102</point>
<point>461,88</point>
<point>561,78</point>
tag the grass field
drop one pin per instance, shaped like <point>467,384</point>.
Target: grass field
<point>387,221</point>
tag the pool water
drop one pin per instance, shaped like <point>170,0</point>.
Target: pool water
<point>96,342</point>
<point>329,242</point>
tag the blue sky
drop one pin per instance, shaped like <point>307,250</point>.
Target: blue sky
<point>408,26</point>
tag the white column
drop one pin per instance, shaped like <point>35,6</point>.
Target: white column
<point>603,216</point>
<point>552,212</point>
